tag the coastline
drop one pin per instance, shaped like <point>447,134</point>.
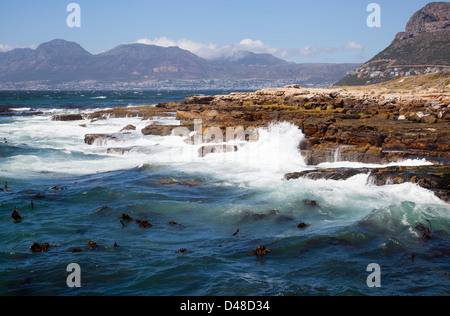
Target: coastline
<point>371,125</point>
<point>209,213</point>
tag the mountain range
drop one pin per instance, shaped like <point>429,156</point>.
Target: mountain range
<point>423,47</point>
<point>64,61</point>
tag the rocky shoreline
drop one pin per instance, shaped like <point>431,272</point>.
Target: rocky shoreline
<point>435,178</point>
<point>370,125</point>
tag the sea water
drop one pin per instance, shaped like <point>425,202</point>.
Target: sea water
<point>163,179</point>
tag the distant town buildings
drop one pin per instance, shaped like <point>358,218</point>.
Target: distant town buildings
<point>207,84</point>
<point>381,70</point>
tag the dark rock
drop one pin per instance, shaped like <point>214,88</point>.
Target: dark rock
<point>310,203</point>
<point>126,217</point>
<point>426,232</point>
<point>40,248</point>
<point>144,223</point>
<point>90,139</point>
<point>435,178</point>
<point>128,128</point>
<point>327,174</point>
<point>118,151</point>
<point>303,225</point>
<point>68,117</point>
<point>158,130</point>
<point>261,251</point>
<point>92,244</point>
<point>199,100</point>
<point>185,183</point>
<point>16,216</point>
<point>259,216</point>
<point>57,188</point>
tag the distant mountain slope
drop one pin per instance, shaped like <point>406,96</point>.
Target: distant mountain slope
<point>245,58</point>
<point>140,60</point>
<point>55,60</point>
<point>62,61</point>
<point>436,82</point>
<point>423,47</point>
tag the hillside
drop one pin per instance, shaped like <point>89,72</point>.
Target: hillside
<point>436,82</point>
<point>62,61</point>
<point>423,48</point>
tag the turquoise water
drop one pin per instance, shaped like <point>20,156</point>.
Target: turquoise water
<point>162,179</point>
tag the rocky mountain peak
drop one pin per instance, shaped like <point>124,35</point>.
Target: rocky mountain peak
<point>423,48</point>
<point>433,17</point>
<point>60,47</point>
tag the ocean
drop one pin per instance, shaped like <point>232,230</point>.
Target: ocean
<point>208,214</point>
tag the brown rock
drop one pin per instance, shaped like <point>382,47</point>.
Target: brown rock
<point>90,139</point>
<point>16,216</point>
<point>261,251</point>
<point>68,117</point>
<point>126,217</point>
<point>144,223</point>
<point>92,244</point>
<point>302,225</point>
<point>118,151</point>
<point>158,130</point>
<point>431,119</point>
<point>40,248</point>
<point>128,128</point>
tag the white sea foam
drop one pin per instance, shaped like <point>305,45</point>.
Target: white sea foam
<point>260,164</point>
<point>348,164</point>
<point>20,109</point>
<point>140,105</point>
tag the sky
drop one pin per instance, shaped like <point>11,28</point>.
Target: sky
<point>302,31</point>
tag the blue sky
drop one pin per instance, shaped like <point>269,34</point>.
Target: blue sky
<point>297,30</point>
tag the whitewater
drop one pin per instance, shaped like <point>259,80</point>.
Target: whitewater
<point>163,178</point>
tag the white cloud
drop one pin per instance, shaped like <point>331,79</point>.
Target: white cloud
<point>162,41</point>
<point>308,51</point>
<point>213,51</point>
<point>353,46</point>
<point>203,50</point>
<point>7,48</point>
<point>257,47</point>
